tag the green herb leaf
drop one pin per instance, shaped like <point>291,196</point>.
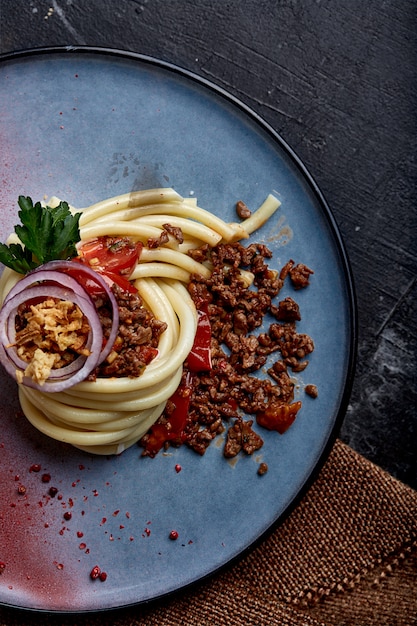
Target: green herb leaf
<point>16,257</point>
<point>46,233</point>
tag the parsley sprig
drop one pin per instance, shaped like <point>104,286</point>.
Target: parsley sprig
<point>46,233</point>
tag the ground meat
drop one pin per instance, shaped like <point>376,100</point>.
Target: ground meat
<point>311,390</point>
<point>262,469</point>
<point>200,254</point>
<point>286,311</point>
<point>243,212</point>
<point>300,275</point>
<point>286,269</point>
<point>295,347</point>
<point>155,242</point>
<point>241,436</point>
<point>219,397</point>
<point>175,231</point>
<point>137,339</point>
<point>168,229</point>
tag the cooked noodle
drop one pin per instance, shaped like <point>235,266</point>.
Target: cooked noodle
<point>108,415</point>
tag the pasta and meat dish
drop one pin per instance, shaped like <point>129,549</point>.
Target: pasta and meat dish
<point>134,321</point>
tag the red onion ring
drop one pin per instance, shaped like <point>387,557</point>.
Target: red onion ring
<point>57,271</point>
<point>10,309</point>
<point>52,280</point>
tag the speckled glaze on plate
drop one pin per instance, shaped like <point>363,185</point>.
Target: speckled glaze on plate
<point>87,124</point>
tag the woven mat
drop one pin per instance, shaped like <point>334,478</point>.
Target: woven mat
<point>347,555</point>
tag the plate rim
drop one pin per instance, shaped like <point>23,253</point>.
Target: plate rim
<point>352,308</point>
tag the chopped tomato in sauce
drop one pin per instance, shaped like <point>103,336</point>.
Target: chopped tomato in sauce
<point>173,428</point>
<point>278,417</point>
<point>113,257</point>
<point>199,359</point>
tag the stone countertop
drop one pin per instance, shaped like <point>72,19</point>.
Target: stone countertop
<point>337,80</point>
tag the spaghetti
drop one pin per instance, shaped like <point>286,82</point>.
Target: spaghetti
<point>107,415</point>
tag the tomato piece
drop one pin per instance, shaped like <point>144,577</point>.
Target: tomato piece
<point>148,353</point>
<point>176,422</point>
<point>278,417</point>
<point>122,281</point>
<point>114,255</point>
<point>199,359</point>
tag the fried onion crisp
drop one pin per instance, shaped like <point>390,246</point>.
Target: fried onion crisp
<point>51,334</point>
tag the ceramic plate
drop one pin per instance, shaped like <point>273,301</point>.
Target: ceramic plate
<point>87,124</point>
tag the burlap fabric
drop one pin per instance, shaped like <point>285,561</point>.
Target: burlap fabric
<point>347,555</point>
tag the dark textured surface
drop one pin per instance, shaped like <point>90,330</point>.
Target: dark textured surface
<point>337,79</point>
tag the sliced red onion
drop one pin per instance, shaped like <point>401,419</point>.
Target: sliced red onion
<point>52,280</point>
<point>85,364</point>
<point>38,276</point>
<point>56,271</point>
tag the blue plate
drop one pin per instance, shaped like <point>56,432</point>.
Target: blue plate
<point>86,124</point>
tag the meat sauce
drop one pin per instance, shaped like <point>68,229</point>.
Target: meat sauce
<point>219,383</point>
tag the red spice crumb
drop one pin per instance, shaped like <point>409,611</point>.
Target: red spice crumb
<point>67,515</point>
<point>80,534</point>
<point>2,567</point>
<point>46,525</point>
<point>60,566</point>
<point>53,491</point>
<point>17,477</point>
<point>95,572</point>
<point>103,521</point>
<point>35,468</point>
<point>178,468</point>
<point>147,532</point>
<point>46,478</point>
<point>21,490</point>
<point>103,576</point>
<point>121,526</point>
<point>127,514</point>
<point>82,546</point>
<point>173,535</point>
<point>95,492</point>
<point>116,512</point>
<point>81,467</point>
<point>60,496</point>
